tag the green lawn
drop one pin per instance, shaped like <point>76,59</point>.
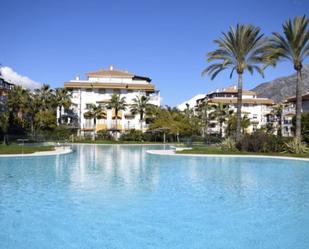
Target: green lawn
<point>219,151</point>
<point>18,149</point>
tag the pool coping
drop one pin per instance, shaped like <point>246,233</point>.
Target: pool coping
<point>172,153</point>
<point>61,150</point>
<point>120,144</point>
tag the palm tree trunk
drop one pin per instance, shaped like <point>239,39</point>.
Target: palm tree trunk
<point>239,105</point>
<point>221,129</point>
<point>60,120</point>
<point>141,120</point>
<point>298,104</point>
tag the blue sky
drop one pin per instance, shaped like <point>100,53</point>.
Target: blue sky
<point>52,41</point>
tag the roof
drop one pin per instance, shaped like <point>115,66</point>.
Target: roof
<point>110,73</point>
<point>293,99</point>
<point>233,89</point>
<point>113,73</point>
<point>101,85</point>
<point>244,101</point>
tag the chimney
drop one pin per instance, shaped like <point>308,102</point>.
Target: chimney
<point>111,68</point>
<point>77,77</point>
<point>235,87</point>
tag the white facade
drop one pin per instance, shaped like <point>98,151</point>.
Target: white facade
<point>289,111</point>
<point>190,103</point>
<point>256,109</point>
<point>98,89</point>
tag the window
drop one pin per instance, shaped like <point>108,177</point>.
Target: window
<point>117,91</point>
<point>102,91</point>
<point>88,90</point>
<point>88,106</point>
<point>255,116</point>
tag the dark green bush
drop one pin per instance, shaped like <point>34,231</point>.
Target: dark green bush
<point>261,142</point>
<point>213,139</point>
<point>132,135</point>
<point>104,135</point>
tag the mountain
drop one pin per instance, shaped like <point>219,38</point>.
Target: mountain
<point>282,88</point>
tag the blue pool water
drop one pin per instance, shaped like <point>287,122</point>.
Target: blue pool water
<point>117,197</point>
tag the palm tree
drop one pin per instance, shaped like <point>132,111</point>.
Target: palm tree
<point>293,45</point>
<point>232,123</point>
<point>277,113</point>
<point>95,112</point>
<point>117,103</point>
<point>46,97</point>
<point>221,114</point>
<point>140,106</point>
<point>18,102</point>
<point>203,110</point>
<point>63,100</point>
<point>239,49</point>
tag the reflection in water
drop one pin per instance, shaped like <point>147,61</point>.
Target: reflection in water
<point>105,167</point>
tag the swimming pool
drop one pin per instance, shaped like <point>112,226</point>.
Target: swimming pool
<point>118,196</point>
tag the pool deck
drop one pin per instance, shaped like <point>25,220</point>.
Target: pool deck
<point>61,150</point>
<point>172,153</point>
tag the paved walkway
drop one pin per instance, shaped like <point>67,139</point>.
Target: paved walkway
<point>58,151</point>
<point>172,153</point>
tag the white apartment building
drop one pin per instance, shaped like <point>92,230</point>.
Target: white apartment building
<point>98,88</point>
<point>254,108</point>
<point>190,103</point>
<point>289,111</point>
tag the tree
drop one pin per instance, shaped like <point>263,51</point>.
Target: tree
<point>202,111</point>
<point>17,104</point>
<point>232,124</point>
<point>293,45</point>
<point>140,106</point>
<point>277,113</point>
<point>95,112</point>
<point>221,113</point>
<point>46,97</point>
<point>63,100</point>
<point>239,49</point>
<point>117,103</point>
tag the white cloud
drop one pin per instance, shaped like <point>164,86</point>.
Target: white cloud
<point>11,76</point>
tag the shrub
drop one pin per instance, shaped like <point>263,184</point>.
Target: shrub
<point>296,146</point>
<point>104,135</point>
<point>213,139</point>
<point>132,135</point>
<point>228,144</point>
<point>261,142</point>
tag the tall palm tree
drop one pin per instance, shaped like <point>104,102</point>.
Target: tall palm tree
<point>95,112</point>
<point>18,102</point>
<point>292,45</point>
<point>140,106</point>
<point>117,103</point>
<point>63,100</point>
<point>221,114</point>
<point>239,49</point>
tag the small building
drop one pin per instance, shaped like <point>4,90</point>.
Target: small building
<point>98,88</point>
<point>254,108</point>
